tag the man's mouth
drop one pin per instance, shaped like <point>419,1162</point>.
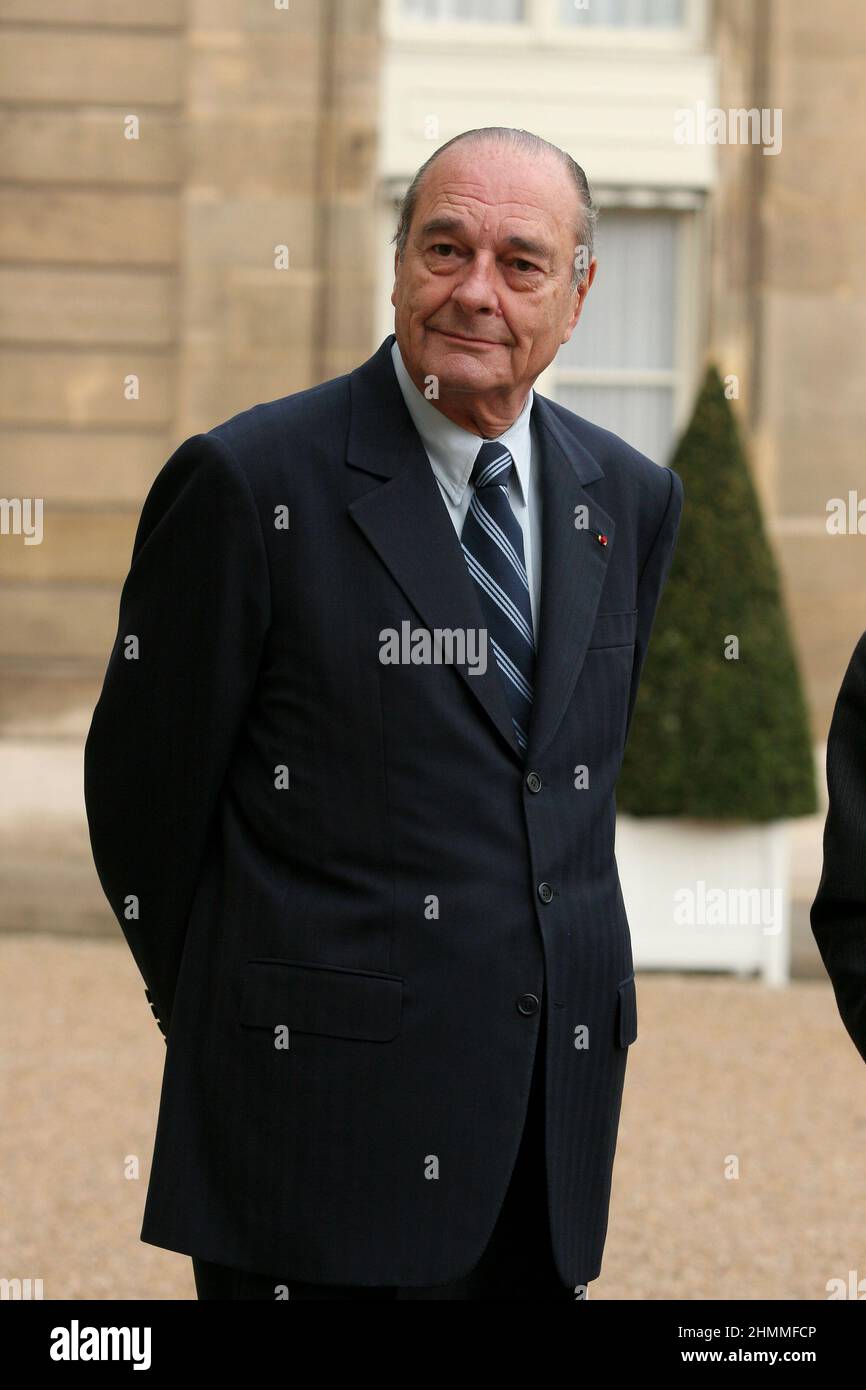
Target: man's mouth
<point>461,338</point>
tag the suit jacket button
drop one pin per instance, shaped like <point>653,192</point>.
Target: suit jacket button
<point>527,1004</point>
<point>153,1010</point>
<point>533,781</point>
<point>545,892</point>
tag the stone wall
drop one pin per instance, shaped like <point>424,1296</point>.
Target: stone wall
<point>143,298</point>
<point>789,304</point>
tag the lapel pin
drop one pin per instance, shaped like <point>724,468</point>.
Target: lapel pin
<point>601,537</point>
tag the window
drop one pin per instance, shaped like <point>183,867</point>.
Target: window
<point>624,14</point>
<point>478,11</point>
<point>546,24</point>
<point>620,367</point>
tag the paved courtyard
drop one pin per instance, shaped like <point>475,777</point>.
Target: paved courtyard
<point>723,1073</point>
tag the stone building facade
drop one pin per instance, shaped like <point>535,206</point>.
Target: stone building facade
<point>197,197</point>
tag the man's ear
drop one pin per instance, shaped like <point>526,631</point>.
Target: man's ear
<point>580,297</point>
<point>396,265</point>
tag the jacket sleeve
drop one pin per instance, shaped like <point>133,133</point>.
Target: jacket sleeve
<point>652,582</point>
<point>194,610</point>
<point>838,914</point>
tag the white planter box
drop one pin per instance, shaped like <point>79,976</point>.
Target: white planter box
<point>702,895</point>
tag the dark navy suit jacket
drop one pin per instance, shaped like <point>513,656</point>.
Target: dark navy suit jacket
<point>304,845</point>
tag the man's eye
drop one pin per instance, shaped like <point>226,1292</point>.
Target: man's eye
<point>441,248</point>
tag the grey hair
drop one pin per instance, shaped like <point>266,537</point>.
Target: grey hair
<point>531,144</point>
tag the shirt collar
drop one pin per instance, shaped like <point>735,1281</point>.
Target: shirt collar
<point>452,449</point>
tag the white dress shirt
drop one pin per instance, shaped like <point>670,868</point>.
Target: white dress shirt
<point>452,451</point>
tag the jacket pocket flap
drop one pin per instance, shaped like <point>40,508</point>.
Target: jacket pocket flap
<point>626,1023</point>
<point>614,629</point>
<point>311,998</point>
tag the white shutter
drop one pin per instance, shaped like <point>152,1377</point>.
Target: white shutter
<point>619,368</point>
<point>624,14</point>
<point>479,11</point>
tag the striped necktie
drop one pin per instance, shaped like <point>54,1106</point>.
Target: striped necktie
<point>492,542</point>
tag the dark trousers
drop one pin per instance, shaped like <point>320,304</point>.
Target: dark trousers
<point>517,1263</point>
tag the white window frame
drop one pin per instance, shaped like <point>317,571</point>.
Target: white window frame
<point>691,311</point>
<point>542,29</point>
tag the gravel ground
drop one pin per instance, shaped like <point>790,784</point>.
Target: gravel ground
<point>721,1067</point>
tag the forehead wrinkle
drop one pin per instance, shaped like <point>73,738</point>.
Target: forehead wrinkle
<point>521,208</point>
<point>520,211</point>
<point>518,177</point>
<point>518,205</point>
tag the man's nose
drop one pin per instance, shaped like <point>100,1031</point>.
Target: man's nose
<point>476,289</point>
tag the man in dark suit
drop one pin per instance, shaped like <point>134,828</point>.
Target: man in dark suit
<point>350,783</point>
<point>839,911</point>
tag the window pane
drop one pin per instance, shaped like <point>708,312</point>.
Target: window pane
<point>479,11</point>
<point>642,415</point>
<point>628,317</point>
<point>632,14</point>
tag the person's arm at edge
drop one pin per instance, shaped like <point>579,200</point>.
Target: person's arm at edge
<point>838,914</point>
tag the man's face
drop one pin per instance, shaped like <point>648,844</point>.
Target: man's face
<point>483,294</point>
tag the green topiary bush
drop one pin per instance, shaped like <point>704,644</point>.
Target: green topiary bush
<point>714,738</point>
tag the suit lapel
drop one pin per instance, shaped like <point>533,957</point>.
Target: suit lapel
<point>573,567</point>
<point>406,521</point>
